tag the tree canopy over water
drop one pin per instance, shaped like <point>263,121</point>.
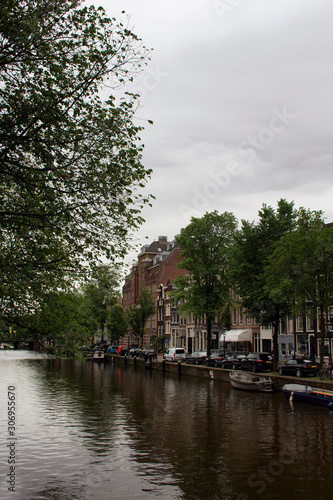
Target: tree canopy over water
<point>71,176</point>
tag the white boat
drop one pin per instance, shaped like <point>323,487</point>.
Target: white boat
<point>98,355</point>
<point>250,382</point>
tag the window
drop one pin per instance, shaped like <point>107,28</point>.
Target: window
<point>283,325</point>
<point>266,345</point>
<point>291,325</point>
<point>311,323</point>
<point>300,323</point>
<point>240,317</point>
<point>256,342</point>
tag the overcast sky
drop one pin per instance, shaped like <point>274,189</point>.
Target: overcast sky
<point>241,95</point>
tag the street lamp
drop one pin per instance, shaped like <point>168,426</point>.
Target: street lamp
<point>328,333</point>
<point>224,334</point>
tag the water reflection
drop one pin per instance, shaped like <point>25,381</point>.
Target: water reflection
<point>102,431</point>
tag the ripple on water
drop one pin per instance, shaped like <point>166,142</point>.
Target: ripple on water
<point>97,432</point>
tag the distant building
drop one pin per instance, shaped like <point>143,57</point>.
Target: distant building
<point>155,269</point>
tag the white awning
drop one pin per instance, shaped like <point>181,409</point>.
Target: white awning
<point>236,336</point>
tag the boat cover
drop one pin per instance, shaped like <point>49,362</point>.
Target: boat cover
<point>306,389</point>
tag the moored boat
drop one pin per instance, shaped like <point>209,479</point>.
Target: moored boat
<point>98,355</point>
<point>250,382</point>
<point>307,394</point>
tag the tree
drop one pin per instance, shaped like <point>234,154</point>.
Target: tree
<point>64,320</point>
<point>250,255</point>
<point>101,293</point>
<point>70,162</point>
<point>118,323</point>
<point>300,270</point>
<point>205,245</point>
<point>139,314</point>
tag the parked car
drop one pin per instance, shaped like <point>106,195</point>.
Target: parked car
<point>299,368</point>
<point>146,353</point>
<point>175,354</point>
<point>215,359</point>
<point>135,351</point>
<point>122,350</point>
<point>112,349</point>
<point>196,358</point>
<point>233,362</point>
<point>257,362</point>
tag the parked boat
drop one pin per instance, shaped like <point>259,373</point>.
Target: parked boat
<point>307,394</point>
<point>250,382</point>
<point>6,346</point>
<point>98,355</point>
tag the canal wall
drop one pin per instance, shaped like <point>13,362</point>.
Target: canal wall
<point>211,373</point>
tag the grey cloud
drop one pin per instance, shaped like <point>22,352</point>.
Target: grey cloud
<point>219,80</point>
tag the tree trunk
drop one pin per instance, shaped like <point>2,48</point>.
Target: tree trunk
<point>209,336</point>
<point>322,336</point>
<point>275,338</point>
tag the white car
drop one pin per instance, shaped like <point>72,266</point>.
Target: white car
<point>175,354</point>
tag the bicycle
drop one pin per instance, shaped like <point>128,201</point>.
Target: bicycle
<point>326,373</point>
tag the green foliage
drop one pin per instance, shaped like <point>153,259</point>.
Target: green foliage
<point>158,342</point>
<point>205,245</point>
<point>300,269</point>
<point>138,315</point>
<point>70,163</point>
<point>250,256</point>
<point>101,293</point>
<point>65,320</point>
<point>117,323</point>
<point>225,319</point>
<point>69,320</point>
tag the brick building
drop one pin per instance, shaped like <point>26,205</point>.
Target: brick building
<point>156,268</point>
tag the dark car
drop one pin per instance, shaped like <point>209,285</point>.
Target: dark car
<point>257,362</point>
<point>233,362</point>
<point>299,368</point>
<point>215,359</point>
<point>148,353</point>
<point>196,358</point>
<point>135,351</point>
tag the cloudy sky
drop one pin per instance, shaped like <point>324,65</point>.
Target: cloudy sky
<point>241,95</point>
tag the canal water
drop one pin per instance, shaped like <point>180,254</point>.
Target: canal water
<point>103,431</point>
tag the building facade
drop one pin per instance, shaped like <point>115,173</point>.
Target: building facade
<point>158,265</point>
<point>155,269</point>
